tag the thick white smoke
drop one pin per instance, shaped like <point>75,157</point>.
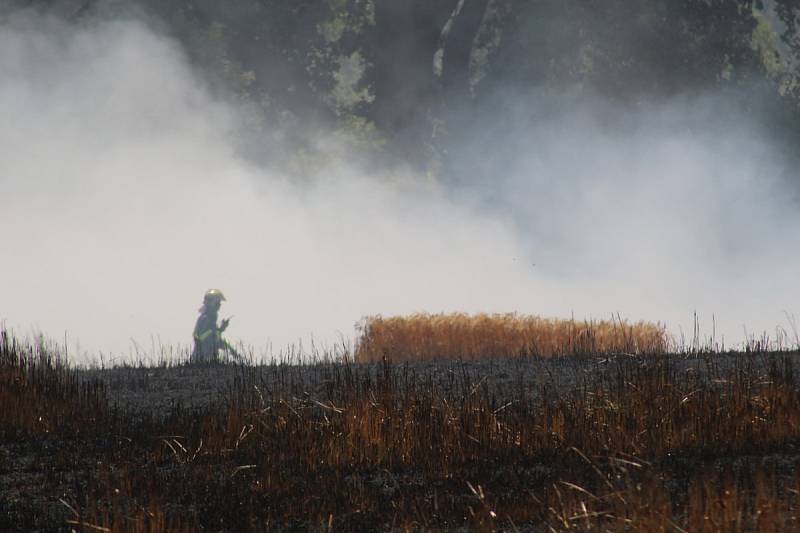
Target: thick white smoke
<point>122,199</point>
<point>684,206</point>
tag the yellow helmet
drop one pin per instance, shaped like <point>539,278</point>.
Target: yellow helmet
<point>212,295</point>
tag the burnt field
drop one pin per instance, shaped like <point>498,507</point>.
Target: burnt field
<point>609,441</point>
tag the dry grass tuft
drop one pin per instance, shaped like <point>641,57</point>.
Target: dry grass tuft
<point>469,337</point>
<point>41,395</point>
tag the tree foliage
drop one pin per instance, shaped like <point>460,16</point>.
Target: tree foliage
<point>397,76</point>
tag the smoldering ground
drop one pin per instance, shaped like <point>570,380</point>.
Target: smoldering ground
<point>124,198</point>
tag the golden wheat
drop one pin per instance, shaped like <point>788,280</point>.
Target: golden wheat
<point>425,336</point>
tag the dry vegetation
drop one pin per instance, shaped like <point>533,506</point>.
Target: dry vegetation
<point>640,444</point>
<point>459,336</point>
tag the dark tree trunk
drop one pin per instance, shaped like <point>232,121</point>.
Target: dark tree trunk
<point>408,94</point>
<point>457,47</point>
<point>405,40</point>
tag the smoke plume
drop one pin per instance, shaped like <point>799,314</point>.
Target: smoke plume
<point>123,197</point>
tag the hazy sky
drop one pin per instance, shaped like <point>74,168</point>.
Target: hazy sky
<point>122,199</point>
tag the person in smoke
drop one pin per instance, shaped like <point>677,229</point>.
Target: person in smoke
<point>207,334</point>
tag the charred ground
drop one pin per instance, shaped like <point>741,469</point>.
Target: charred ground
<point>698,442</point>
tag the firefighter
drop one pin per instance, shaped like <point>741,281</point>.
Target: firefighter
<point>207,334</point>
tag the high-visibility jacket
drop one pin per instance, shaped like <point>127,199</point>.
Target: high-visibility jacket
<point>207,337</point>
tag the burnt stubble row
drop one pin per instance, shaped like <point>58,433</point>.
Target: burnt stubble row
<point>699,442</point>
